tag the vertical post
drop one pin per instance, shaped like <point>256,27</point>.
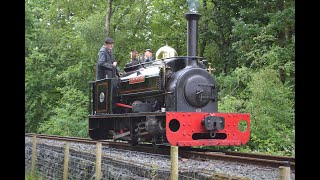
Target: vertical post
<point>91,107</point>
<point>98,160</point>
<point>34,155</point>
<point>210,69</point>
<point>90,98</point>
<point>284,172</point>
<point>174,162</point>
<point>66,161</point>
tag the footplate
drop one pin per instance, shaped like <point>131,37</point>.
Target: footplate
<point>207,129</point>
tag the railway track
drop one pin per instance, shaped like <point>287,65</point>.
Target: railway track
<point>189,153</point>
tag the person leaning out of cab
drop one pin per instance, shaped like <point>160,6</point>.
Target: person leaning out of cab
<point>106,66</point>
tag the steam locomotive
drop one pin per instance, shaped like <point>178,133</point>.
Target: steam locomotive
<point>172,100</point>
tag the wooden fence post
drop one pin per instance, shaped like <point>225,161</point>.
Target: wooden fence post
<point>98,160</point>
<point>34,155</point>
<point>174,162</point>
<point>284,172</point>
<point>66,161</point>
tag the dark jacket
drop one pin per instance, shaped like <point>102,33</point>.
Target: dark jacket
<point>149,59</point>
<point>104,64</point>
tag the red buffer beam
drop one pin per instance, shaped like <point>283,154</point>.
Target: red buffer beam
<point>187,129</point>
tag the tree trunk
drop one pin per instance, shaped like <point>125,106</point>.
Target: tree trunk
<point>108,16</point>
<point>283,40</point>
<point>204,30</point>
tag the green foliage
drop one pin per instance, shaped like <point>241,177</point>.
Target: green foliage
<point>272,112</point>
<point>91,30</point>
<point>70,118</point>
<point>36,176</point>
<point>235,83</point>
<point>270,98</point>
<point>56,58</point>
<point>218,36</point>
<point>231,104</point>
<point>277,143</point>
<point>39,95</point>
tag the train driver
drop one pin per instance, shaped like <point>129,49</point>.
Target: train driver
<point>106,66</point>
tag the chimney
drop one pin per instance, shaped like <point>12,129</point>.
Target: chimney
<point>192,31</point>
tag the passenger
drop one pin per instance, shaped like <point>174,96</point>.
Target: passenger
<point>148,55</point>
<point>135,56</point>
<point>106,64</point>
<point>134,59</point>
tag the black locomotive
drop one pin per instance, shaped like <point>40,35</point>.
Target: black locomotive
<point>170,100</point>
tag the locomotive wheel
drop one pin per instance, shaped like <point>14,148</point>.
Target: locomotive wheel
<point>133,142</point>
<point>98,134</point>
<point>155,145</point>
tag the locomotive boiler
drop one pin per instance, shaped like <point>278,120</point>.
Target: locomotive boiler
<point>172,100</point>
